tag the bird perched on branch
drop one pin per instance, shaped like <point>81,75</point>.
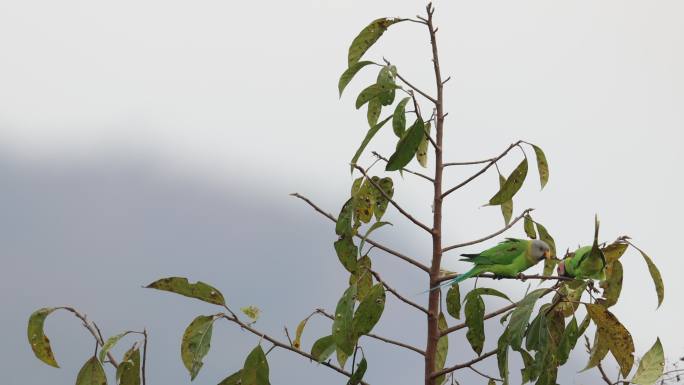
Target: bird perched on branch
<point>585,262</point>
<point>507,259</point>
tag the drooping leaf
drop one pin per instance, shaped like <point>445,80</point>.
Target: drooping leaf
<point>349,74</point>
<point>370,310</point>
<point>381,200</point>
<point>341,357</point>
<point>422,152</point>
<point>529,227</point>
<point>343,226</point>
<point>128,372</point>
<point>542,166</point>
<point>373,113</point>
<point>521,316</point>
<point>369,135</point>
<point>40,343</point>
<point>399,117</point>
<point>356,378</point>
<point>612,286</point>
<point>407,146</point>
<point>453,301</point>
<point>651,365</point>
<point>346,252</point>
<point>386,77</point>
<point>373,227</point>
<point>196,343</point>
<point>617,337</point>
<point>364,200</point>
<point>614,251</point>
<point>474,313</point>
<point>367,37</point>
<point>568,341</point>
<point>198,290</point>
<point>362,277</point>
<point>92,373</point>
<point>546,237</point>
<point>376,90</point>
<point>485,291</point>
<point>536,332</point>
<point>297,342</point>
<point>111,341</point>
<point>342,331</point>
<point>506,207</point>
<point>598,351</point>
<point>502,354</point>
<point>233,379</point>
<point>442,349</point>
<point>655,275</point>
<point>252,312</point>
<point>513,183</point>
<point>584,325</point>
<point>528,370</point>
<point>255,370</point>
<point>323,348</point>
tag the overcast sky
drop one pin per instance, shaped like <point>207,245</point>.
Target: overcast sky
<point>148,138</point>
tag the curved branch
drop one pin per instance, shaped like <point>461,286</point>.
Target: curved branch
<point>96,334</point>
<point>485,168</point>
<point>369,241</point>
<point>395,204</point>
<point>463,365</point>
<point>396,294</point>
<point>490,236</point>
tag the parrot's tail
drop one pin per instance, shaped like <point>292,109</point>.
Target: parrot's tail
<point>462,277</point>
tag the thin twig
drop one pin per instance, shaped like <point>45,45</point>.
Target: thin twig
<point>93,331</point>
<point>463,365</point>
<point>485,168</point>
<point>405,169</point>
<point>484,375</point>
<point>490,236</point>
<point>370,241</point>
<point>396,294</point>
<point>468,163</point>
<point>418,90</point>
<point>144,357</point>
<point>394,203</point>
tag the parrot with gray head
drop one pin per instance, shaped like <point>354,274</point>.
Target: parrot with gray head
<point>587,262</point>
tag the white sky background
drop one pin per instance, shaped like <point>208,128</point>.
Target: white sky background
<point>242,95</point>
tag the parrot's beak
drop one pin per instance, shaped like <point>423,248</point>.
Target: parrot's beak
<point>547,254</point>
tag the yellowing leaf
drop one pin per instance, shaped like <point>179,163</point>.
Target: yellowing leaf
<point>529,227</point>
<point>655,275</point>
<point>40,343</point>
<point>252,312</point>
<point>367,37</point>
<point>513,183</point>
<point>546,237</point>
<point>422,152</point>
<point>598,351</point>
<point>442,349</point>
<point>128,372</point>
<point>614,251</point>
<point>198,290</point>
<point>297,343</point>
<point>542,166</point>
<point>651,365</point>
<point>612,285</point>
<point>91,373</point>
<point>617,337</point>
<point>196,343</point>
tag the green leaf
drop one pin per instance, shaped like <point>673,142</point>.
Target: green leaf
<point>323,348</point>
<point>542,166</point>
<point>373,113</point>
<point>612,285</point>
<point>342,325</point>
<point>349,74</point>
<point>356,378</point>
<point>40,343</point>
<point>346,252</point>
<point>502,354</point>
<point>367,37</point>
<point>399,117</point>
<point>128,372</point>
<point>568,341</point>
<point>196,343</point>
<point>617,337</point>
<point>374,91</point>
<point>422,152</point>
<point>474,320</point>
<point>252,312</point>
<point>442,349</point>
<point>369,135</point>
<point>512,185</point>
<point>614,251</point>
<point>528,371</point>
<point>233,379</point>
<point>373,227</point>
<point>529,227</point>
<point>343,226</point>
<point>380,206</point>
<point>407,146</point>
<point>491,382</point>
<point>111,341</point>
<point>297,342</point>
<point>198,290</point>
<point>546,237</point>
<point>341,358</point>
<point>521,316</point>
<point>506,207</point>
<point>651,365</point>
<point>364,201</point>
<point>453,301</point>
<point>255,370</point>
<point>386,77</point>
<point>362,277</point>
<point>655,275</point>
<point>485,291</point>
<point>91,373</point>
<point>369,312</point>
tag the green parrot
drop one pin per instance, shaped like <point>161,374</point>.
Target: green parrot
<point>507,259</point>
<point>585,262</point>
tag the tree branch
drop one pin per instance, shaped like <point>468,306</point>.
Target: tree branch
<point>418,90</point>
<point>369,241</point>
<point>405,169</point>
<point>485,168</point>
<point>233,318</point>
<point>92,331</point>
<point>490,236</point>
<point>463,365</point>
<point>377,337</point>
<point>396,294</point>
<point>468,163</point>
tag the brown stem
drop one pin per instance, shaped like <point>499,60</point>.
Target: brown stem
<point>404,169</point>
<point>369,241</point>
<point>396,294</point>
<point>395,204</point>
<point>93,330</point>
<point>433,333</point>
<point>485,168</point>
<point>144,357</point>
<point>521,277</point>
<point>490,236</point>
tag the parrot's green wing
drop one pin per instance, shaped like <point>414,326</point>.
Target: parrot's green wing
<point>502,254</point>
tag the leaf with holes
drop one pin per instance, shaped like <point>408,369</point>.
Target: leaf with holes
<point>513,183</point>
<point>40,343</point>
<point>612,285</point>
<point>196,343</point>
<point>381,200</point>
<point>346,252</point>
<point>617,337</point>
<point>198,290</point>
<point>529,227</point>
<point>542,165</point>
<point>374,91</point>
<point>362,277</point>
<point>399,117</point>
<point>342,331</point>
<point>474,320</point>
<point>369,312</point>
<point>506,207</point>
<point>367,37</point>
